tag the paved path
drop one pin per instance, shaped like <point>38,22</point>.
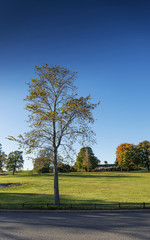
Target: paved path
<point>75,226</point>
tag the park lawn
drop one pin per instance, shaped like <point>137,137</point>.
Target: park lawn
<point>100,188</point>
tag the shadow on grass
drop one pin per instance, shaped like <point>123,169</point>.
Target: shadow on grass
<point>19,198</point>
<point>78,175</point>
<point>15,198</point>
<point>98,175</point>
<point>21,175</point>
<point>44,201</point>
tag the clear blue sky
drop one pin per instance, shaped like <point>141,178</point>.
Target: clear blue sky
<point>107,42</point>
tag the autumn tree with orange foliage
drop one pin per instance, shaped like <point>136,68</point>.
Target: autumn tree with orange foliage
<point>126,155</point>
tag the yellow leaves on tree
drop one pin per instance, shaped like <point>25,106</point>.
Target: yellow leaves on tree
<point>125,155</point>
<point>57,116</point>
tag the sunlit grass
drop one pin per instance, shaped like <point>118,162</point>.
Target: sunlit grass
<point>100,188</point>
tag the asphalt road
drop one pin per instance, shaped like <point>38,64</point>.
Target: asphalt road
<point>75,226</point>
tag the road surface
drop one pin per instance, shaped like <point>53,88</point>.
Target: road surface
<point>75,226</point>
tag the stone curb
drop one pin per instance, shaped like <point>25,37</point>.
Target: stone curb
<point>72,211</point>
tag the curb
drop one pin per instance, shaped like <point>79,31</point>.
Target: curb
<point>72,211</point>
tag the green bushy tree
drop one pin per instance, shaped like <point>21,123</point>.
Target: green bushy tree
<point>3,158</point>
<point>14,161</point>
<point>144,154</point>
<point>43,162</point>
<point>62,167</point>
<point>86,160</point>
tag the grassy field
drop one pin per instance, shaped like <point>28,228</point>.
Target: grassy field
<point>99,188</point>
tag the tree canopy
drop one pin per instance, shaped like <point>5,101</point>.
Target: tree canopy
<point>86,160</point>
<point>3,157</point>
<point>14,161</point>
<point>144,153</point>
<point>43,162</point>
<point>130,155</point>
<point>125,155</point>
<point>58,116</point>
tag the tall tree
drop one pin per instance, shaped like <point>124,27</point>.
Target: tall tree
<point>87,165</point>
<point>86,160</point>
<point>125,155</point>
<point>14,161</point>
<point>43,162</point>
<point>3,157</point>
<point>144,153</point>
<point>58,117</point>
<point>0,148</point>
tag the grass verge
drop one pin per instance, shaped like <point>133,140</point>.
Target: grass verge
<point>77,190</point>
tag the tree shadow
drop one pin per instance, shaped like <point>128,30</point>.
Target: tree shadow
<point>31,198</point>
<point>77,175</point>
<point>22,175</point>
<point>19,198</point>
<point>88,226</point>
<point>126,224</point>
<point>97,175</point>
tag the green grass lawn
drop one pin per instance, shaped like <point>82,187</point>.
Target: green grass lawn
<point>100,188</point>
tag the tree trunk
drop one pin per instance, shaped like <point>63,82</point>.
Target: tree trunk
<point>13,171</point>
<point>56,188</point>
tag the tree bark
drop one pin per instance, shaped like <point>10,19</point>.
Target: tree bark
<point>56,188</point>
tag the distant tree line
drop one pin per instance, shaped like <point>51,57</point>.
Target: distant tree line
<point>43,163</point>
<point>11,162</point>
<point>130,156</point>
<point>86,161</point>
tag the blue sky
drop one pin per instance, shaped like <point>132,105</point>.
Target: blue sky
<point>107,42</point>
